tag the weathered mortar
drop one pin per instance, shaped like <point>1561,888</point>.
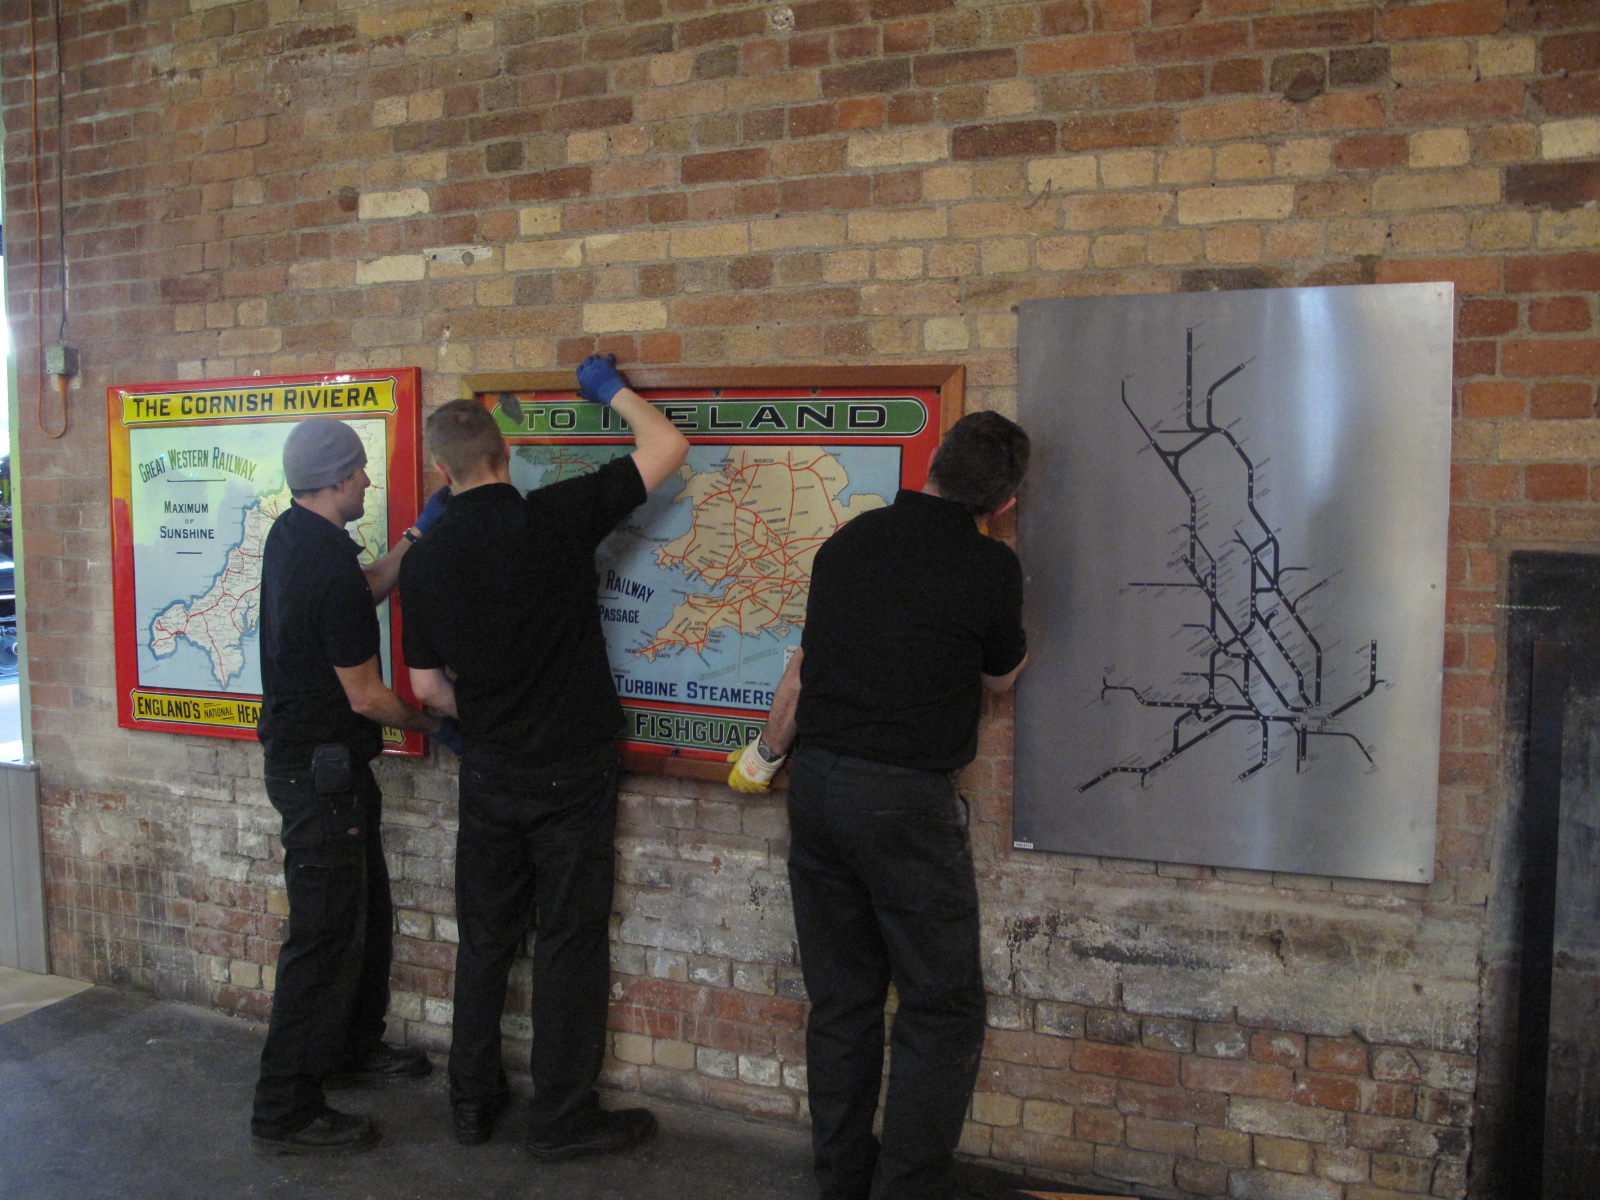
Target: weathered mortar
<point>252,186</point>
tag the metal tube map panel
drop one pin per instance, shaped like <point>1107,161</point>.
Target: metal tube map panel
<point>1234,533</point>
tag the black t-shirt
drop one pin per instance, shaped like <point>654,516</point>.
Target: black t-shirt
<point>909,604</point>
<point>316,614</point>
<point>503,591</point>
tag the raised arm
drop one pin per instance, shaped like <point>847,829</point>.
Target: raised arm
<point>661,448</point>
<point>383,574</point>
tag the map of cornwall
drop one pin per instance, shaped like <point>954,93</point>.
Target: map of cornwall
<point>219,621</point>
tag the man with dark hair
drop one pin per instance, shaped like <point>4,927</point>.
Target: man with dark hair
<point>913,615</point>
<point>323,706</point>
<point>503,629</point>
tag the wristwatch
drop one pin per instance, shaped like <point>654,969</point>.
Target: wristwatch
<point>765,755</point>
<point>411,534</point>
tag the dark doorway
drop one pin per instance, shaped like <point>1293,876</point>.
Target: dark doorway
<point>1547,1135</point>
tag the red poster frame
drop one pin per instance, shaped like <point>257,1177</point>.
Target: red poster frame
<point>940,388</point>
<point>190,404</point>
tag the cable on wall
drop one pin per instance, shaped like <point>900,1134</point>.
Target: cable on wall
<point>60,360</point>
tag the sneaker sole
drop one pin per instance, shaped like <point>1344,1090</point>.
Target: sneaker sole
<point>268,1148</point>
<point>567,1153</point>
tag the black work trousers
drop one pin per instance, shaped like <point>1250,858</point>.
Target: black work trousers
<point>881,872</point>
<point>536,849</point>
<point>332,989</point>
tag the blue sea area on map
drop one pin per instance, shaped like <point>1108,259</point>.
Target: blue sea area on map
<point>164,576</point>
<point>638,597</point>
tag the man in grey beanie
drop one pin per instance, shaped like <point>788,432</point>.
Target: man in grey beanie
<point>323,706</point>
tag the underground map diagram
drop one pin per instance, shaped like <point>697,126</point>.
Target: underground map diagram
<point>1256,658</point>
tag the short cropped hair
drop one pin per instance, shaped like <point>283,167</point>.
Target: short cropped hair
<point>463,436</point>
<point>981,462</point>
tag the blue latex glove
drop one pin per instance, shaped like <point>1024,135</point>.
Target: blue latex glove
<point>449,734</point>
<point>432,510</point>
<point>598,378</point>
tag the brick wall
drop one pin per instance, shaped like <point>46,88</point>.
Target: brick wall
<point>253,186</point>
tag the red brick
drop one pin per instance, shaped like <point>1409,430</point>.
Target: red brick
<point>1575,272</point>
<point>1092,52</point>
<point>1318,29</point>
<point>1126,1062</point>
<point>1006,140</point>
<point>1029,1049</point>
<point>770,1011</point>
<point>1343,1056</point>
<point>1111,131</point>
<point>1559,314</point>
<point>1483,482</point>
<point>1552,356</point>
<point>862,112</point>
<point>725,166</point>
<point>1180,83</point>
<point>1447,102</point>
<point>1238,1078</point>
<point>1570,53</point>
<point>1063,16</point>
<point>1561,400</point>
<point>1475,358</point>
<point>905,37</point>
<point>1342,1093</point>
<point>1555,483</point>
<point>1099,1125</point>
<point>965,66</point>
<point>561,184</point>
<point>1370,150</point>
<point>1459,18</point>
<point>1191,43</point>
<point>1284,1049</point>
<point>1486,318</point>
<point>1171,1104</point>
<point>1237,76</point>
<point>1470,275</point>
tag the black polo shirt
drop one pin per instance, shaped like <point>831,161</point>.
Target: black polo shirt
<point>909,605</point>
<point>316,614</point>
<point>503,591</point>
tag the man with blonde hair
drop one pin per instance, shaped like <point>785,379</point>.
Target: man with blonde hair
<point>503,630</point>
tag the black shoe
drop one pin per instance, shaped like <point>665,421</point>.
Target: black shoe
<point>382,1064</point>
<point>607,1133</point>
<point>332,1133</point>
<point>473,1120</point>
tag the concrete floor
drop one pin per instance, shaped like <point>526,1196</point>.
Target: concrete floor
<point>112,1096</point>
<point>22,992</point>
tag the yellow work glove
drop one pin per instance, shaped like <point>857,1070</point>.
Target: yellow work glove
<point>752,772</point>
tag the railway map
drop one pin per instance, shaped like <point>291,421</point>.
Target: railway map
<point>1257,661</point>
<point>704,586</point>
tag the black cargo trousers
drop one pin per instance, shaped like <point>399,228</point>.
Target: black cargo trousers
<point>536,851</point>
<point>881,872</point>
<point>332,989</point>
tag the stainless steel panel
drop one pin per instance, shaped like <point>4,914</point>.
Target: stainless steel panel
<point>1234,536</point>
<point>22,925</point>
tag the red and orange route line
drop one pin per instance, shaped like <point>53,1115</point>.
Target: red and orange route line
<point>749,594</point>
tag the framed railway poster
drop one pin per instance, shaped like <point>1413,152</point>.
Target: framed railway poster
<point>703,588</point>
<point>1234,530</point>
<point>196,482</point>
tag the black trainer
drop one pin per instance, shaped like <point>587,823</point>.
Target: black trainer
<point>333,1132</point>
<point>606,1133</point>
<point>382,1064</point>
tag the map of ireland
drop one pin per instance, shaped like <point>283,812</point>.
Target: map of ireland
<point>203,500</point>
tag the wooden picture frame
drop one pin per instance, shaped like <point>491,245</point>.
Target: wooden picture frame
<point>940,387</point>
